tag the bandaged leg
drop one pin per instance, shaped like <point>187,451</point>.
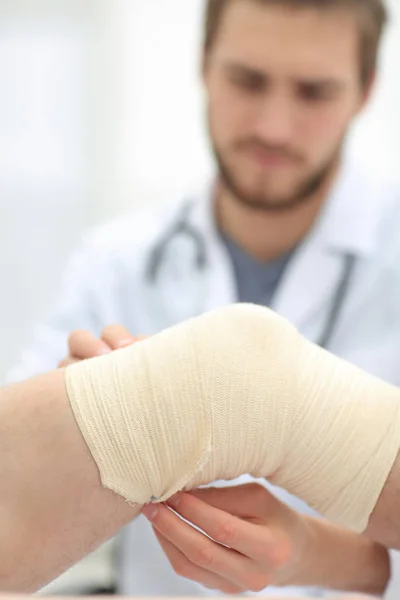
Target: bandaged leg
<point>232,392</point>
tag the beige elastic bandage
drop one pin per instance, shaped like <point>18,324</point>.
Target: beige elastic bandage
<point>238,391</point>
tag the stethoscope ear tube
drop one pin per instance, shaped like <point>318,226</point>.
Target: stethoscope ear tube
<point>350,262</point>
<point>182,226</point>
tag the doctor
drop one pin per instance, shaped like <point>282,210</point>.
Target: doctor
<point>287,222</point>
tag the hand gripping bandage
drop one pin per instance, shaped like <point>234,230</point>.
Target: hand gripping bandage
<point>238,391</point>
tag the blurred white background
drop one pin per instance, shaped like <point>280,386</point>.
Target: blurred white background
<point>100,111</point>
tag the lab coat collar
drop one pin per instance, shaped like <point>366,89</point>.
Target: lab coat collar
<point>349,222</point>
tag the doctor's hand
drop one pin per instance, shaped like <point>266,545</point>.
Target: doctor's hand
<point>254,540</point>
<point>259,541</point>
<point>84,345</point>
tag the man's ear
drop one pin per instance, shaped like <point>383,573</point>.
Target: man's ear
<point>205,65</point>
<point>368,91</point>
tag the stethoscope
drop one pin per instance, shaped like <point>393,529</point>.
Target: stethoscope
<point>183,226</point>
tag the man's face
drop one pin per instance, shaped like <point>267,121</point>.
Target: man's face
<point>283,86</point>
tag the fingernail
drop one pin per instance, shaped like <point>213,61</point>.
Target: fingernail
<point>150,511</point>
<point>125,343</point>
<point>175,500</point>
<point>103,351</point>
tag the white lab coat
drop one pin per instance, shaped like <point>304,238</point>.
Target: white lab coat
<point>107,282</point>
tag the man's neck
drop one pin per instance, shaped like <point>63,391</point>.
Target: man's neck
<point>266,235</point>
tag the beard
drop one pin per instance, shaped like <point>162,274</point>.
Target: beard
<point>263,201</point>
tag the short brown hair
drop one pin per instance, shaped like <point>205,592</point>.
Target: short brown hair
<point>372,15</point>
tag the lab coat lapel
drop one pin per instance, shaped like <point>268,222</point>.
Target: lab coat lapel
<point>310,280</point>
<point>347,225</point>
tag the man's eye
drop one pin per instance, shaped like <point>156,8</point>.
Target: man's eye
<point>315,93</point>
<point>251,83</point>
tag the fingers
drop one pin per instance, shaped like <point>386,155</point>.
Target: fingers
<point>184,568</point>
<point>267,545</point>
<point>205,553</point>
<point>117,336</point>
<point>83,344</point>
